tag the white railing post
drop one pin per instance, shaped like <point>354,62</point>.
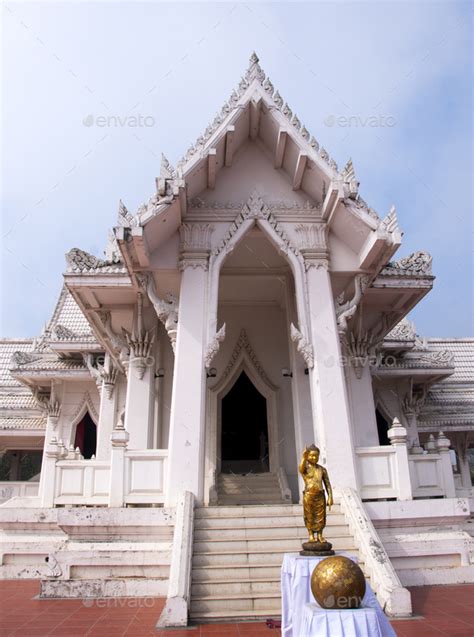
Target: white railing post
<point>119,440</point>
<point>175,612</point>
<point>397,435</point>
<point>443,445</point>
<point>47,486</point>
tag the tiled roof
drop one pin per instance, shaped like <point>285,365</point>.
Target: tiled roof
<point>7,348</point>
<point>451,401</point>
<point>47,363</point>
<point>25,400</point>
<point>68,314</point>
<point>23,423</point>
<point>463,350</point>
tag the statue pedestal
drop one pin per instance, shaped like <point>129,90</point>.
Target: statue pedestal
<point>317,549</point>
<point>359,622</point>
<point>296,593</point>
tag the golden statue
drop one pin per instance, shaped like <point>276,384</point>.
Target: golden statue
<point>314,502</point>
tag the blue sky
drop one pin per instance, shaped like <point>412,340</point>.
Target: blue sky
<point>404,66</point>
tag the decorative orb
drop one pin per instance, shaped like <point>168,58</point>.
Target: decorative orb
<point>338,582</point>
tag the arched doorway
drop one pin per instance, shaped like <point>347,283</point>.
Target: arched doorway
<point>86,436</point>
<point>244,437</point>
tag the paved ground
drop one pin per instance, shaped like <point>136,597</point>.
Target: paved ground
<point>443,610</point>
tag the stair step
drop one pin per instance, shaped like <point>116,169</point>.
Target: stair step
<point>260,522</point>
<point>255,510</point>
<point>242,588</point>
<point>237,602</point>
<point>264,532</point>
<point>242,615</point>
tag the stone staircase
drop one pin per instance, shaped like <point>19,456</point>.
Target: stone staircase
<point>85,552</point>
<point>249,488</point>
<point>237,557</point>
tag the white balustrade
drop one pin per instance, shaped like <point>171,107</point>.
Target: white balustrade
<point>144,476</point>
<point>82,482</point>
<point>391,472</point>
<point>10,489</point>
<point>133,477</point>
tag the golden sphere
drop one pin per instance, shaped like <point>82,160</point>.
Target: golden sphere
<point>338,582</point>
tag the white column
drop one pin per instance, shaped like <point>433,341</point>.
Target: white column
<point>331,418</point>
<point>107,411</point>
<point>361,395</point>
<point>187,431</point>
<point>139,402</point>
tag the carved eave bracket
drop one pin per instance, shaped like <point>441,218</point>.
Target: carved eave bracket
<point>166,309</point>
<point>213,347</point>
<point>345,310</point>
<point>361,350</point>
<point>105,375</point>
<point>303,346</point>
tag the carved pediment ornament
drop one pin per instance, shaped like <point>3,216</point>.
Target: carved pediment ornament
<point>255,208</point>
<point>243,344</point>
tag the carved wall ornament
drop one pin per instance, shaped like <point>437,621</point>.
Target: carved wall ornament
<point>166,309</point>
<point>303,346</point>
<point>214,346</point>
<point>195,245</point>
<point>345,310</point>
<point>416,264</point>
<point>276,206</point>
<point>48,404</point>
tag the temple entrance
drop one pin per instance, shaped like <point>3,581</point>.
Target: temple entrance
<point>86,437</point>
<point>244,438</point>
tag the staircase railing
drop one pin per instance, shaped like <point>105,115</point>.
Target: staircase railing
<point>393,597</point>
<point>284,486</point>
<point>175,612</point>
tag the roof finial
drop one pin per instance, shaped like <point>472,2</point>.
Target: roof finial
<point>166,169</point>
<point>254,59</point>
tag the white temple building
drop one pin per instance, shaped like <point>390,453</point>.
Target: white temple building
<point>150,436</point>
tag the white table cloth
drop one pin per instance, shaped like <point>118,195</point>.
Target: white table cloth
<point>360,622</point>
<point>296,592</point>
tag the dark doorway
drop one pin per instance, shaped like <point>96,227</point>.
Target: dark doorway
<point>244,429</point>
<point>382,428</point>
<point>86,437</point>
